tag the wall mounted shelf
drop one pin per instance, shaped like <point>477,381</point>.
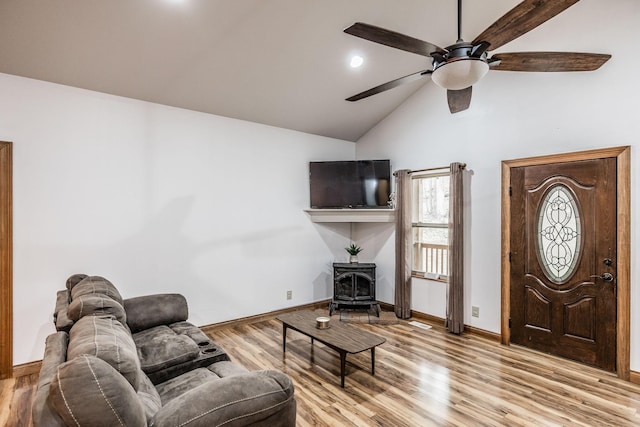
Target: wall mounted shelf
<point>351,215</point>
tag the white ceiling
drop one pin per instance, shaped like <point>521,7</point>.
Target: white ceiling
<point>278,62</point>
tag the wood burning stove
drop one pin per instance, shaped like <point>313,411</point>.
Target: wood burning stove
<point>354,287</point>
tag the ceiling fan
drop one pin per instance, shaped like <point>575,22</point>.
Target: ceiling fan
<point>459,66</point>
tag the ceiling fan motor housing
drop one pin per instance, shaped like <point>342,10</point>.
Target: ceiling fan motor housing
<point>457,69</point>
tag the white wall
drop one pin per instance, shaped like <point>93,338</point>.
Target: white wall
<point>516,115</point>
<point>159,199</point>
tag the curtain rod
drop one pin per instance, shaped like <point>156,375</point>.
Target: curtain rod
<point>462,166</point>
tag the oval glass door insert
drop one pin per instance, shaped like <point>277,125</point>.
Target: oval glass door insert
<point>559,234</point>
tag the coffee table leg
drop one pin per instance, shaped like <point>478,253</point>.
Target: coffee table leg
<point>343,364</point>
<point>373,360</point>
<point>284,338</point>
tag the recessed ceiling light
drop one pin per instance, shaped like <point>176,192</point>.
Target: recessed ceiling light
<point>356,61</point>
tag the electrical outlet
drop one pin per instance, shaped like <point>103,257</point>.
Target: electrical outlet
<point>289,294</point>
<point>475,311</point>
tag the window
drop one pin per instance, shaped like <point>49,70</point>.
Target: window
<point>430,225</point>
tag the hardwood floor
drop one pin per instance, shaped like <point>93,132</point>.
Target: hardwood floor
<point>430,377</point>
<point>423,378</point>
<point>16,395</point>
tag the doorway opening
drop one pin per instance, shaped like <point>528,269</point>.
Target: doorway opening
<point>6,261</point>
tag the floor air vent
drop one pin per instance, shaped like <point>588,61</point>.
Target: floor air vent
<point>420,325</point>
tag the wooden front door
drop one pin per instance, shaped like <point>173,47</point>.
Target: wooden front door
<point>563,259</point>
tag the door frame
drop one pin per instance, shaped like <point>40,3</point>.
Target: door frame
<point>6,261</point>
<point>623,321</point>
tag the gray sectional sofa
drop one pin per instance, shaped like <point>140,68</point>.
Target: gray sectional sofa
<point>138,362</point>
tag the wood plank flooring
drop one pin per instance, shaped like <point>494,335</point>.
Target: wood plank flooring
<point>433,378</point>
<point>423,378</point>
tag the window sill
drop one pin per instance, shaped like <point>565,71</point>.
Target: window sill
<point>421,275</point>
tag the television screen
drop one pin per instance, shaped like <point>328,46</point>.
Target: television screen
<point>350,184</point>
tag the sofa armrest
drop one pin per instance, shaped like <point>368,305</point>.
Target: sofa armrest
<point>55,353</point>
<point>63,323</point>
<point>154,310</point>
<point>257,398</point>
<point>60,318</point>
<point>62,302</point>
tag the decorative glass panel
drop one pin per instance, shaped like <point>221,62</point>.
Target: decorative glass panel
<point>559,233</point>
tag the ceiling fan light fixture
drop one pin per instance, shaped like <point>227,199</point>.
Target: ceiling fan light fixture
<point>459,73</point>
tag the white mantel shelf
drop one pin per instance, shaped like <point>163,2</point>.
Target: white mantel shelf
<point>351,215</point>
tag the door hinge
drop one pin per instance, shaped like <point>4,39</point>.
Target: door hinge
<point>509,323</point>
<point>509,256</point>
<point>510,191</point>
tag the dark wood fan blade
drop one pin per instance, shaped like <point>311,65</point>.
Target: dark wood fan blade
<point>459,100</point>
<point>548,61</point>
<point>389,85</point>
<point>521,19</point>
<point>392,39</point>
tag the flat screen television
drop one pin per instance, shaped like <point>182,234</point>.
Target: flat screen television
<point>350,184</point>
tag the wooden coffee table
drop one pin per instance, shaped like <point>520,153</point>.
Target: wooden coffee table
<point>341,337</point>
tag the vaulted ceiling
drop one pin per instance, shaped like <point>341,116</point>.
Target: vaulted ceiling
<point>283,63</point>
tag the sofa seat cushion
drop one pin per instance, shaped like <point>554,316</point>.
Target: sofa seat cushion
<point>96,285</point>
<point>87,391</point>
<point>107,339</point>
<point>179,385</point>
<point>160,347</point>
<point>95,305</point>
<point>234,401</point>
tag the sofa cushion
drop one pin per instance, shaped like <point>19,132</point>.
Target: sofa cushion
<point>74,280</point>
<point>160,347</point>
<point>106,338</point>
<point>95,305</point>
<point>154,310</point>
<point>233,401</point>
<point>95,285</point>
<point>87,391</point>
<point>177,386</point>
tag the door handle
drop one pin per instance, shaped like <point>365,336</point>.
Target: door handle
<point>607,277</point>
